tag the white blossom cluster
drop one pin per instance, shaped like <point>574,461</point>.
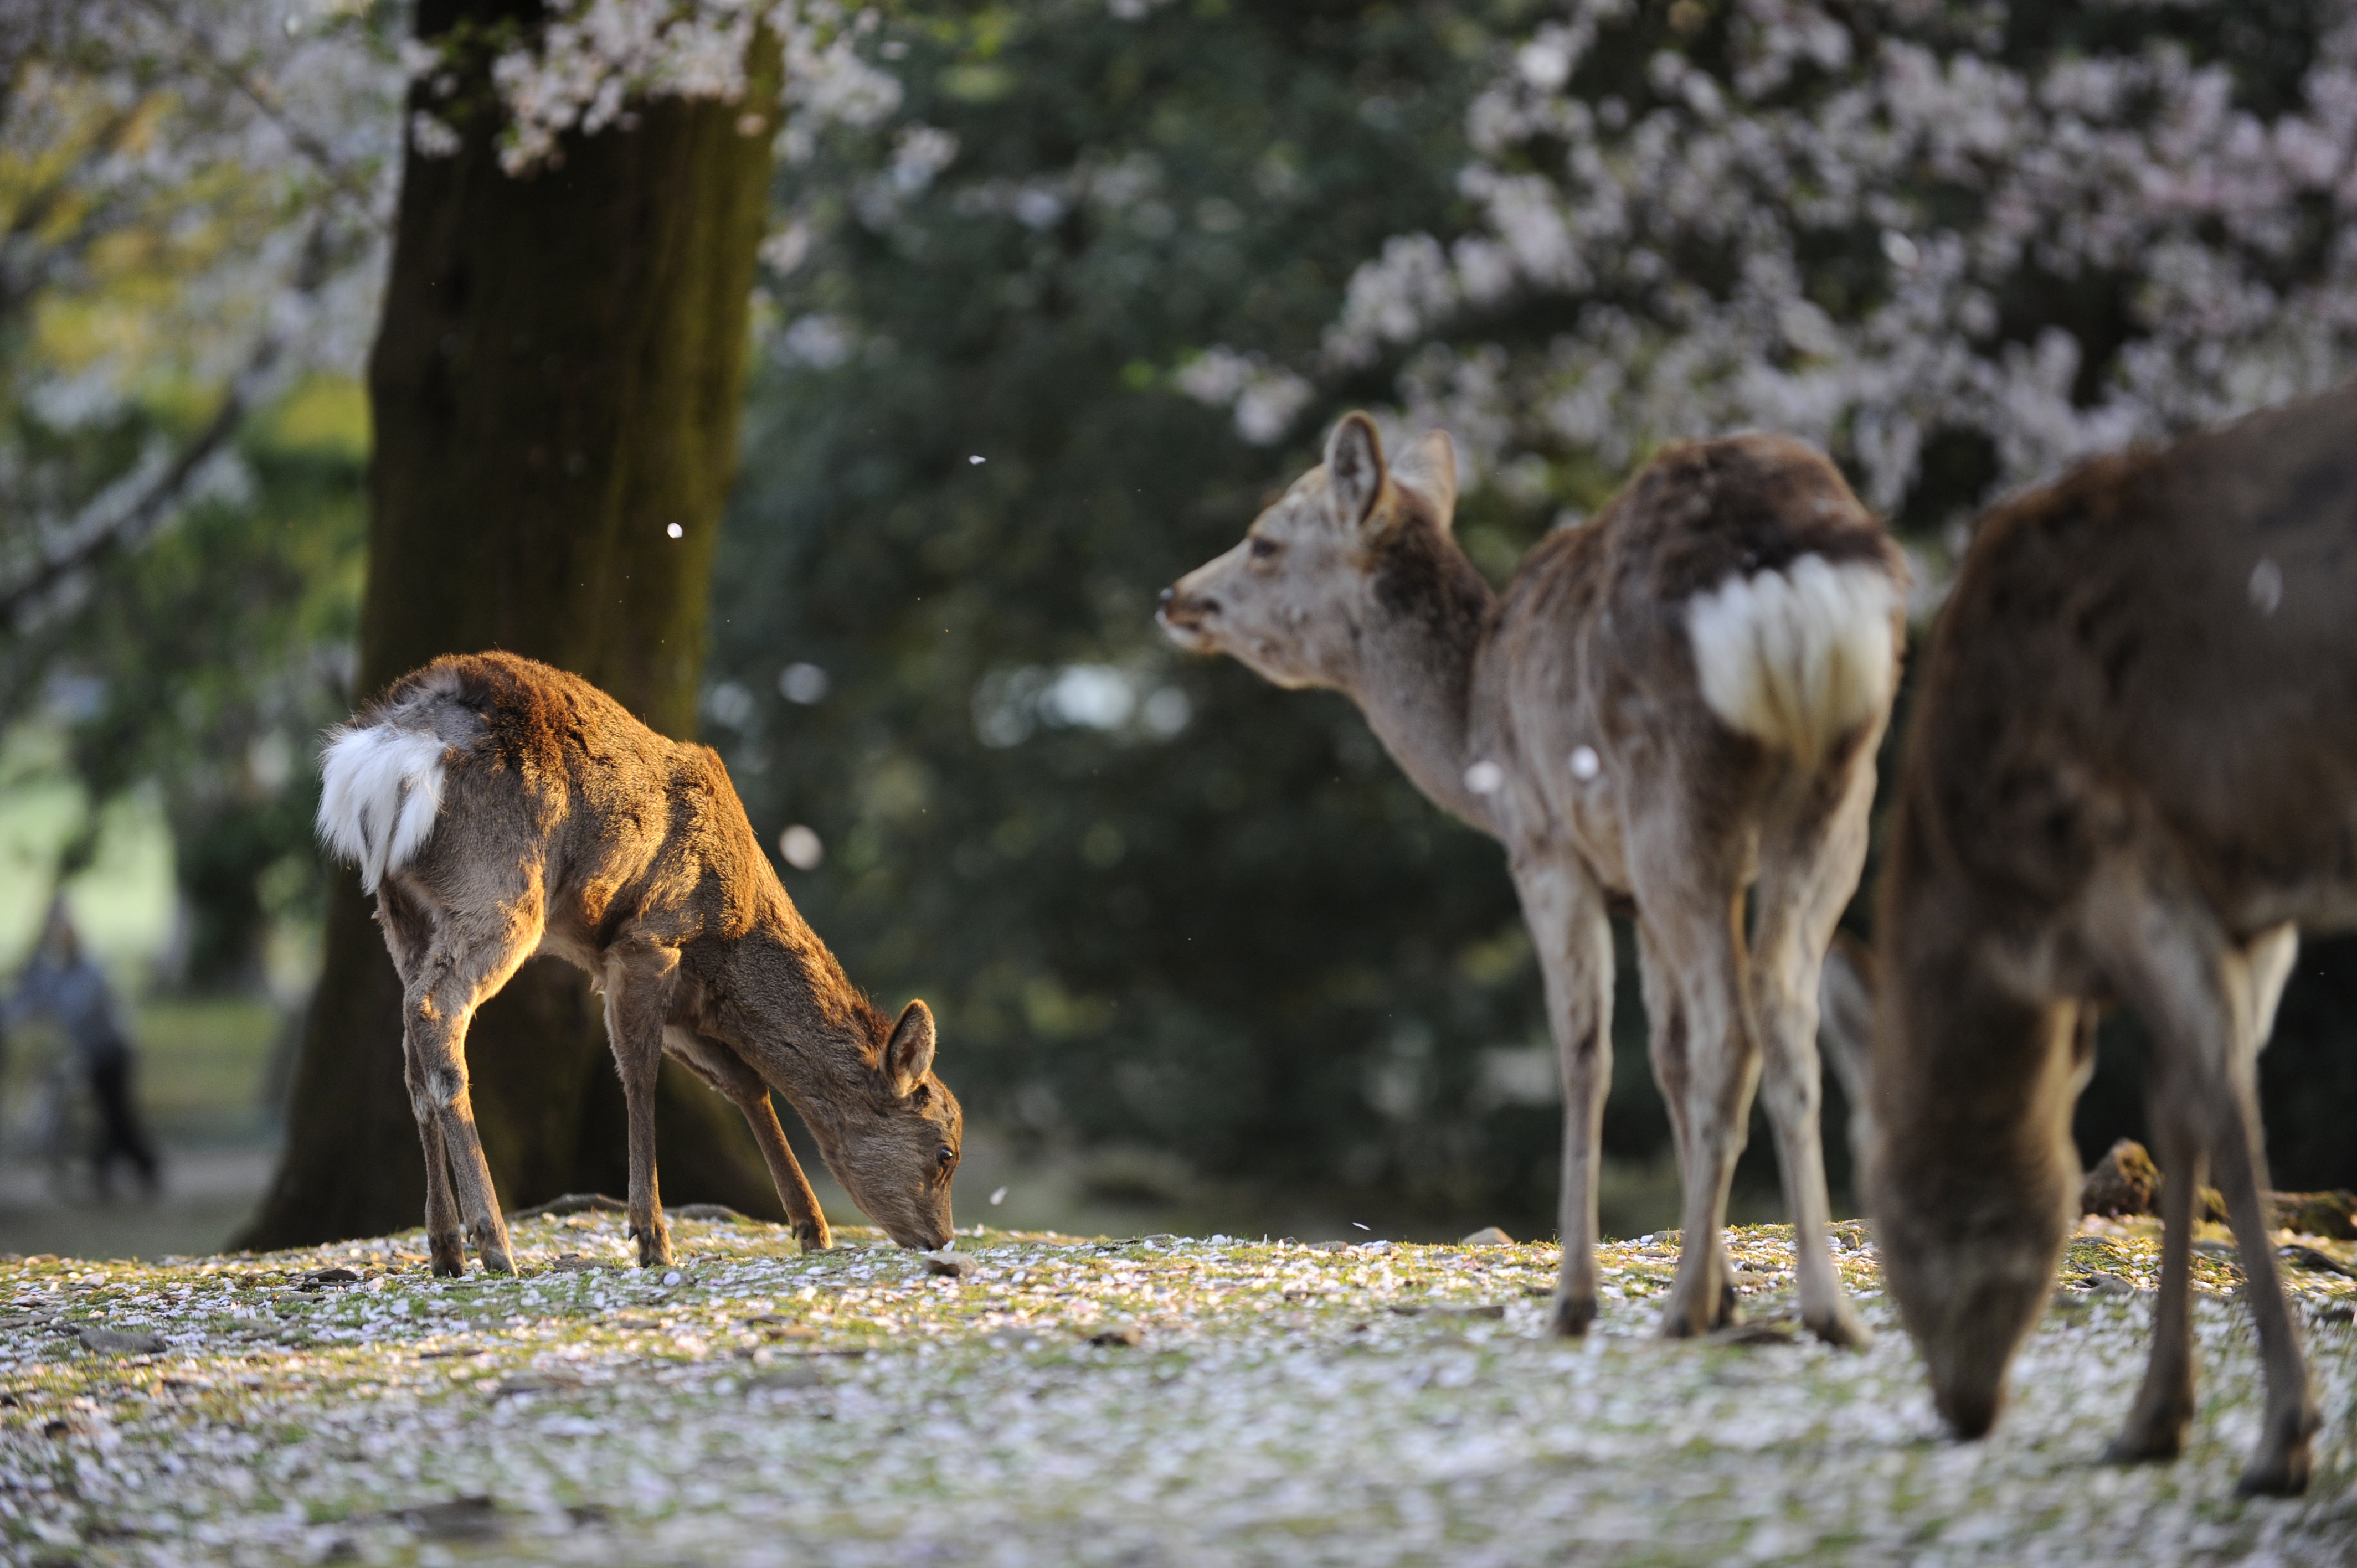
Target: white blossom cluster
<point>196,195</point>
<point>196,118</point>
<point>193,198</point>
<point>1835,221</point>
<point>585,68</point>
<point>1267,397</point>
<point>1132,191</point>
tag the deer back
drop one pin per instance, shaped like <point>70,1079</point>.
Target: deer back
<point>1735,599</point>
<point>2161,647</point>
<point>622,832</point>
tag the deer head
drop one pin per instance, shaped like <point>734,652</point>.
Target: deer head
<point>1973,1174</point>
<point>894,1141</point>
<point>1290,600</point>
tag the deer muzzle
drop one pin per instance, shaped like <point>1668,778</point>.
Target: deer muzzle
<point>1181,616</point>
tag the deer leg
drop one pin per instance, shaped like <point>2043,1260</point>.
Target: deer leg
<point>442,1064</point>
<point>639,986</point>
<point>1693,905</point>
<point>2209,1003</point>
<point>2268,969</point>
<point>1726,1071</point>
<point>1805,880</point>
<point>1573,936</point>
<point>467,961</point>
<point>2280,1466</point>
<point>444,1242</point>
<point>2163,1412</point>
<point>407,929</point>
<point>1665,1030</point>
<point>733,1077</point>
<point>803,1216</point>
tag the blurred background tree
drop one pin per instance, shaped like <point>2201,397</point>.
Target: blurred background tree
<point>1166,911</point>
<point>1052,296</point>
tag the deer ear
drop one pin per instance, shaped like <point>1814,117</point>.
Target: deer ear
<point>1429,468</point>
<point>1354,469</point>
<point>908,1054</point>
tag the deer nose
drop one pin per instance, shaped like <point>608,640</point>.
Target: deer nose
<point>1174,609</point>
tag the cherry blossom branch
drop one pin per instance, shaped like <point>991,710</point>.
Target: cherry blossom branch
<point>133,508</point>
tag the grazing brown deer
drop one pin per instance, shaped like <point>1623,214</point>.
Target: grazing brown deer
<point>1674,704</point>
<point>498,809</point>
<point>2132,777</point>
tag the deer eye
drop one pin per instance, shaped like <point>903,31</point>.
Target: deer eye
<point>947,1155</point>
<point>1263,547</point>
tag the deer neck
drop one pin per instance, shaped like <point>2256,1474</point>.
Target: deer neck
<point>1430,616</point>
<point>797,1019</point>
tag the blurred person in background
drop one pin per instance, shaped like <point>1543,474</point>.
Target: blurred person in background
<point>65,985</point>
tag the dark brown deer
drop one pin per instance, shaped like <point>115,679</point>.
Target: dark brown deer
<point>498,809</point>
<point>1672,704</point>
<point>2132,777</point>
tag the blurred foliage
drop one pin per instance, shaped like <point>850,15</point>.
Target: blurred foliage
<point>209,660</point>
<point>190,194</point>
<point>1170,905</point>
<point>1157,901</point>
<point>1959,247</point>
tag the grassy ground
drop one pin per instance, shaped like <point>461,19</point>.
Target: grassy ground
<point>1139,1402</point>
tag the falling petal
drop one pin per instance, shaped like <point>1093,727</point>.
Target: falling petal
<point>800,848</point>
<point>2266,586</point>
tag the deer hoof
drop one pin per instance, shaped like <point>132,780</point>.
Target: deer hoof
<point>813,1237</point>
<point>1572,1314</point>
<point>1841,1328</point>
<point>2148,1438</point>
<point>1685,1323</point>
<point>654,1247</point>
<point>491,1247</point>
<point>2283,1474</point>
<point>2279,1469</point>
<point>448,1252</point>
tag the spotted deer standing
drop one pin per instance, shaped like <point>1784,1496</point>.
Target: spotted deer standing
<point>1672,704</point>
<point>2132,777</point>
<point>498,809</point>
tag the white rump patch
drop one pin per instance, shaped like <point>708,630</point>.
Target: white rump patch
<point>381,791</point>
<point>1800,657</point>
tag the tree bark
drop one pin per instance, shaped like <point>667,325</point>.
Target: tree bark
<point>556,386</point>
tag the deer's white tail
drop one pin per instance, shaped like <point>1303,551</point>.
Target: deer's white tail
<point>1798,657</point>
<point>381,791</point>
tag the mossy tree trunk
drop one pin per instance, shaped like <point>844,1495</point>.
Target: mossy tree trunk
<point>555,386</point>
